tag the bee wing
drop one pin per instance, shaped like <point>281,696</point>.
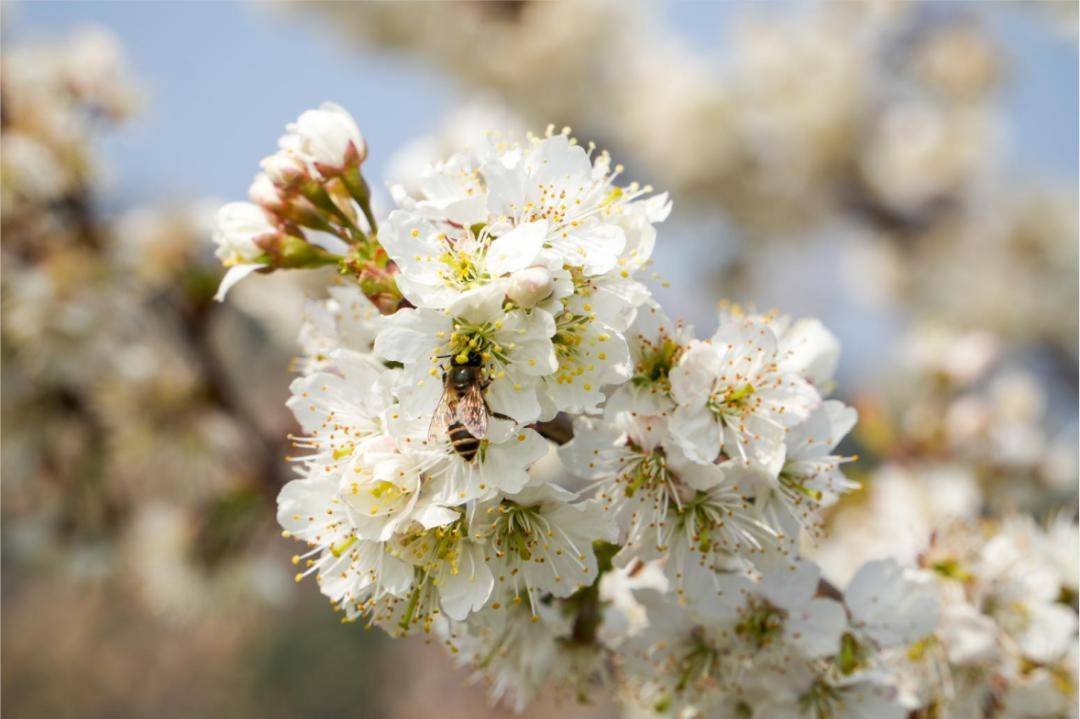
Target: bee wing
<point>442,419</point>
<point>471,411</point>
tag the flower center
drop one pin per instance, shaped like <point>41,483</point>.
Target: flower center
<point>731,400</point>
<point>517,529</point>
<point>649,471</point>
<point>761,624</point>
<point>460,269</point>
<point>428,550</point>
<point>471,339</point>
<point>570,335</point>
<point>569,331</point>
<point>820,701</point>
<point>795,488</point>
<point>697,663</point>
<point>656,363</point>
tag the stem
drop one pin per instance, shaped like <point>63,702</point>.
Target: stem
<point>370,216</point>
<point>360,191</point>
<point>318,196</point>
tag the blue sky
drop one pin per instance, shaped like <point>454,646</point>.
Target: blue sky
<point>224,77</point>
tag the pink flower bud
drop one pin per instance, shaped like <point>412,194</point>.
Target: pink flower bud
<point>284,169</point>
<point>263,193</point>
<point>239,230</point>
<point>529,286</point>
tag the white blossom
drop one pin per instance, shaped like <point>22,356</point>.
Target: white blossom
<point>810,478</point>
<point>346,319</point>
<point>890,607</point>
<point>734,397</point>
<point>539,541</point>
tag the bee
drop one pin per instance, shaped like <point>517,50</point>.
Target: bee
<point>462,412</point>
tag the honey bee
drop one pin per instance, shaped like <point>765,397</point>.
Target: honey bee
<point>462,412</point>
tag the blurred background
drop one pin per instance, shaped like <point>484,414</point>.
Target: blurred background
<point>906,172</point>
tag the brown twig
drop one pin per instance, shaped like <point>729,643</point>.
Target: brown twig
<point>195,321</point>
<point>827,589</point>
<point>559,430</point>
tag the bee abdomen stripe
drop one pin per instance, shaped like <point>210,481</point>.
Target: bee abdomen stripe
<point>463,442</point>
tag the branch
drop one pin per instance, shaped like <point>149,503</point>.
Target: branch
<point>825,588</point>
<point>195,320</point>
<point>586,603</point>
<point>559,430</point>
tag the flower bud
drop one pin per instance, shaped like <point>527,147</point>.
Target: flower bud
<point>238,228</point>
<point>285,205</point>
<point>529,286</point>
<point>284,169</point>
<point>263,193</point>
<point>329,138</point>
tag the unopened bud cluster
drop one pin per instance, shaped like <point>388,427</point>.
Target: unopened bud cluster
<point>310,207</point>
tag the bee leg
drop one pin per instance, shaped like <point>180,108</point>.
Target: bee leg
<point>497,415</point>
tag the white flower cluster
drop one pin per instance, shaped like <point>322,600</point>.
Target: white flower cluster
<point>660,543</point>
<point>775,646</point>
<point>717,451</point>
<point>1008,632</point>
<point>517,264</point>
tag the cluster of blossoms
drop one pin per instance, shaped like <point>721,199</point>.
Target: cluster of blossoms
<point>979,433</point>
<point>655,555</point>
<point>1006,642</point>
<point>499,311</point>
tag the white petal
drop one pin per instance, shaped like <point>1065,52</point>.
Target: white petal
<point>409,336</point>
<point>515,396</point>
<point>816,627</point>
<point>594,249</point>
<point>788,585</point>
<point>811,350</point>
<point>467,588</point>
<point>517,249</point>
<point>234,275</point>
<point>692,379</point>
<point>891,609</point>
<point>697,433</point>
